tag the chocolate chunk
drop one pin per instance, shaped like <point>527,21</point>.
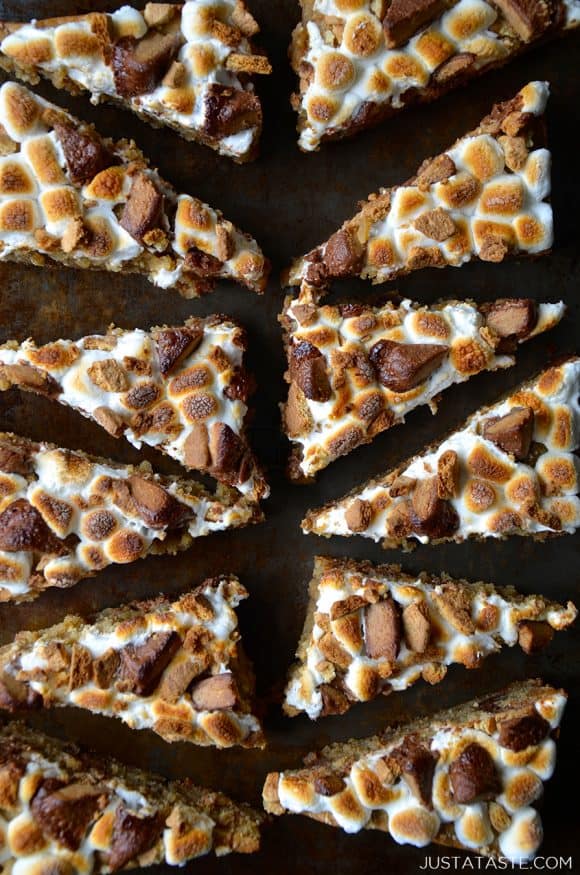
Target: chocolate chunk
<point>65,813</point>
<point>23,528</point>
<point>405,17</point>
<point>417,626</point>
<point>382,625</point>
<point>522,732</point>
<point>529,18</point>
<point>30,378</point>
<point>226,449</point>
<point>132,836</point>
<point>241,385</point>
<point>402,366</point>
<point>202,264</point>
<point>417,766</point>
<point>308,370</point>
<point>343,253</point>
<point>432,515</point>
<point>216,693</point>
<point>14,460</point>
<point>358,515</point>
<point>139,65</point>
<point>158,508</point>
<point>513,432</point>
<point>328,784</point>
<point>473,775</point>
<point>85,154</point>
<point>16,694</point>
<point>175,344</point>
<point>144,207</point>
<point>143,664</point>
<point>333,701</point>
<point>229,110</point>
<point>196,447</point>
<point>511,317</point>
<point>453,67</point>
<point>534,636</point>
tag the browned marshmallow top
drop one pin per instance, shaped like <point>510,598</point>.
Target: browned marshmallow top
<point>173,667</point>
<point>182,389</point>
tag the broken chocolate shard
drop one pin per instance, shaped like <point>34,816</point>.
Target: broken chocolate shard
<point>132,836</point>
<point>308,370</point>
<point>430,514</point>
<point>216,693</point>
<point>156,505</point>
<point>513,432</point>
<point>343,253</point>
<point>229,110</point>
<point>523,732</point>
<point>175,344</point>
<point>144,208</point>
<point>511,317</point>
<point>143,664</point>
<point>139,65</point>
<point>529,18</point>
<point>23,528</point>
<point>473,775</point>
<point>417,766</point>
<point>402,366</point>
<point>405,17</point>
<point>84,153</point>
<point>64,813</point>
<point>382,625</point>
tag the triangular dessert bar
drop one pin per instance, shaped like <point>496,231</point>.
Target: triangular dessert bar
<point>469,777</point>
<point>486,197</point>
<point>185,66</point>
<point>511,469</point>
<point>181,389</point>
<point>356,370</point>
<point>69,811</point>
<point>176,668</point>
<point>70,198</point>
<point>372,629</point>
<point>65,515</point>
<point>362,62</point>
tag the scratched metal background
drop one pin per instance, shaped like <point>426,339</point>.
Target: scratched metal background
<point>291,201</point>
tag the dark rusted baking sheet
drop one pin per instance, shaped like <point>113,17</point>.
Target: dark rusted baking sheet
<point>290,202</point>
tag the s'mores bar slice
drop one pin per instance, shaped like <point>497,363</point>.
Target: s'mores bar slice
<point>65,515</point>
<point>469,777</point>
<point>356,370</point>
<point>362,61</point>
<point>486,197</point>
<point>185,66</point>
<point>371,630</point>
<point>69,197</point>
<point>176,668</point>
<point>67,811</point>
<point>511,469</point>
<point>180,389</point>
